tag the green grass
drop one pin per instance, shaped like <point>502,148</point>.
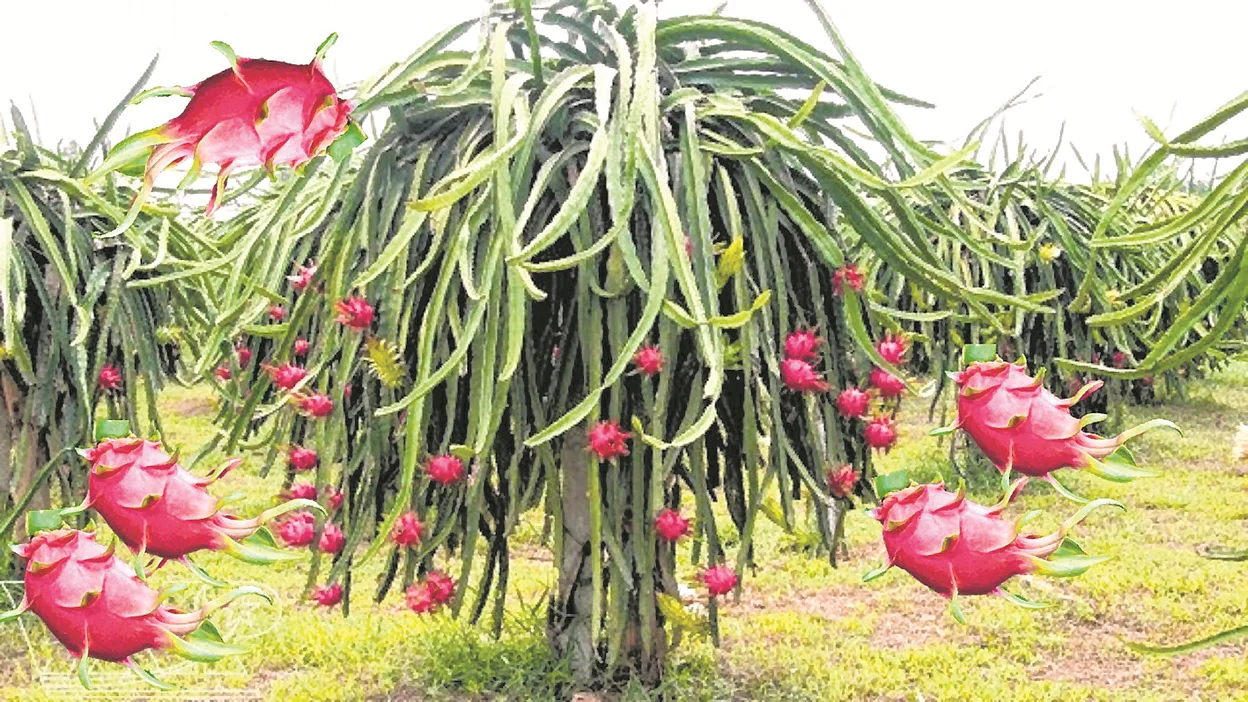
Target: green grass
<point>802,630</point>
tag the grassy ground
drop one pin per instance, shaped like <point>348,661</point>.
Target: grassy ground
<point>802,629</point>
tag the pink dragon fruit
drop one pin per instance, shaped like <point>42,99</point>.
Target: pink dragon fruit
<point>887,384</point>
<point>853,403</point>
<point>420,598</point>
<point>355,312</point>
<point>298,529</point>
<point>277,313</point>
<point>302,277</point>
<point>316,406</point>
<point>719,580</point>
<point>841,480</point>
<point>301,491</point>
<point>803,345</point>
<point>958,547</point>
<point>256,113</point>
<point>670,525</point>
<point>223,373</point>
<point>301,347</point>
<point>156,506</point>
<point>333,497</point>
<point>332,538</point>
<point>441,586</point>
<point>649,360</point>
<point>109,378</point>
<point>97,607</point>
<point>407,530</point>
<point>243,354</point>
<point>847,274</point>
<point>799,376</point>
<point>880,433</point>
<point>892,348</point>
<point>1023,427</point>
<point>302,459</point>
<point>328,595</point>
<point>445,469</point>
<point>607,441</point>
<point>287,375</point>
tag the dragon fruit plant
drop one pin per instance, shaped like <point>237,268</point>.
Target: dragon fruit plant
<point>1021,426</point>
<point>691,210</point>
<point>958,547</point>
<point>98,607</point>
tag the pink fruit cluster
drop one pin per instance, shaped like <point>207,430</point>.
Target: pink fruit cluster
<point>428,595</point>
<point>607,441</point>
<point>797,370</point>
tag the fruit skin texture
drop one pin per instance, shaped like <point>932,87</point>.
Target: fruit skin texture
<point>316,405</point>
<point>93,602</point>
<point>1021,426</point>
<point>420,598</point>
<point>803,345</point>
<point>607,441</point>
<point>799,376</point>
<point>156,506</point>
<point>670,525</point>
<point>853,403</point>
<point>407,530</point>
<point>355,312</point>
<point>301,347</point>
<point>445,470</point>
<point>109,378</point>
<point>958,547</point>
<point>841,480</point>
<point>441,586</point>
<point>649,360</point>
<point>304,491</point>
<point>880,433</point>
<point>258,112</point>
<point>719,580</point>
<point>889,385</point>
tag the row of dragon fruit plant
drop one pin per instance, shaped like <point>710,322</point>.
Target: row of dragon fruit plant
<point>651,139</point>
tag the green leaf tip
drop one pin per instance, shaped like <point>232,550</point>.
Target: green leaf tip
<point>891,482</point>
<point>978,353</point>
<point>111,429</point>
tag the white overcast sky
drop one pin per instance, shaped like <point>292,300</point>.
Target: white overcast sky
<point>1099,61</point>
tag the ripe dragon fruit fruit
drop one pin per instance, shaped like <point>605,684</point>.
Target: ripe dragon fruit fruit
<point>441,586</point>
<point>301,347</point>
<point>892,348</point>
<point>109,378</point>
<point>880,433</point>
<point>298,529</point>
<point>156,506</point>
<point>799,376</point>
<point>97,607</point>
<point>887,384</point>
<point>287,375</point>
<point>1023,427</point>
<point>302,277</point>
<point>277,313</point>
<point>355,312</point>
<point>316,406</point>
<point>445,469</point>
<point>333,497</point>
<point>649,360</point>
<point>332,538</point>
<point>407,530</point>
<point>243,354</point>
<point>301,459</point>
<point>847,274</point>
<point>719,580</point>
<point>328,595</point>
<point>223,373</point>
<point>853,403</point>
<point>256,113</point>
<point>607,441</point>
<point>420,598</point>
<point>670,525</point>
<point>803,345</point>
<point>301,491</point>
<point>841,480</point>
<point>958,547</point>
